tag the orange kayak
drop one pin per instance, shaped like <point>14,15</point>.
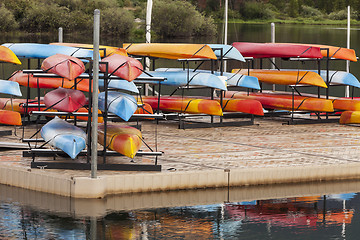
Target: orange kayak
<point>28,79</point>
<point>334,52</point>
<point>6,55</point>
<point>122,139</point>
<point>104,50</point>
<point>284,77</point>
<point>63,65</point>
<point>349,117</point>
<point>184,105</point>
<point>346,104</point>
<point>18,105</point>
<point>242,105</point>
<point>10,118</point>
<point>285,101</point>
<point>170,50</point>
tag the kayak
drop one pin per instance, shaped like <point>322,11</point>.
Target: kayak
<point>9,87</point>
<point>104,50</point>
<point>120,84</point>
<point>124,67</point>
<point>237,105</point>
<point>242,105</point>
<point>227,51</point>
<point>270,50</point>
<point>18,105</point>
<point>28,79</point>
<point>284,77</point>
<point>10,117</point>
<point>125,140</point>
<point>121,104</point>
<point>334,52</point>
<point>38,50</point>
<point>346,104</point>
<point>171,50</point>
<point>232,79</point>
<point>6,55</point>
<point>144,108</point>
<point>340,77</point>
<point>281,101</point>
<point>65,100</point>
<point>184,78</point>
<point>63,65</point>
<point>184,105</point>
<point>65,136</point>
<point>350,117</point>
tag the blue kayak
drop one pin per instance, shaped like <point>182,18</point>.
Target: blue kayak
<point>65,136</point>
<point>120,84</point>
<point>181,78</point>
<point>121,104</point>
<point>228,51</point>
<point>233,79</point>
<point>340,77</point>
<point>37,50</point>
<point>10,87</point>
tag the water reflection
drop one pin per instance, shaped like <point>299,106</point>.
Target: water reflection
<point>300,211</point>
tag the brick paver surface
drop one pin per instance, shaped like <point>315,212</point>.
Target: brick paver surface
<point>267,144</point>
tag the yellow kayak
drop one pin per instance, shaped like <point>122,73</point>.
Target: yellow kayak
<point>108,49</point>
<point>6,55</point>
<point>284,77</point>
<point>170,50</point>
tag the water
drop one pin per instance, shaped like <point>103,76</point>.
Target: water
<point>300,211</point>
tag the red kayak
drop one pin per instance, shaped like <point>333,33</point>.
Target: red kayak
<point>124,67</point>
<point>65,100</point>
<point>63,65</point>
<point>27,79</point>
<point>270,50</point>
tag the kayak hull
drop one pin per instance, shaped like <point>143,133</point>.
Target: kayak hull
<point>65,100</point>
<point>65,136</point>
<point>6,55</point>
<point>122,139</point>
<point>64,66</point>
<point>185,105</point>
<point>350,117</point>
<point>171,50</point>
<point>284,77</point>
<point>270,50</point>
<point>10,118</point>
<point>27,79</point>
<point>11,88</point>
<point>285,101</point>
<point>124,67</point>
<point>121,104</point>
<point>227,51</point>
<point>104,50</point>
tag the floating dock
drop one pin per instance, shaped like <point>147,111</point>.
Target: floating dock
<point>265,153</point>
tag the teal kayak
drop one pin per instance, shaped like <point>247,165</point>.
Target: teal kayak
<point>185,78</point>
<point>340,77</point>
<point>228,51</point>
<point>10,87</point>
<point>121,104</point>
<point>65,136</point>
<point>37,50</point>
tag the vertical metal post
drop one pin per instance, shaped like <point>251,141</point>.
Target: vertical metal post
<point>95,100</point>
<point>273,41</point>
<point>225,31</point>
<point>347,88</point>
<point>60,34</point>
<point>148,38</point>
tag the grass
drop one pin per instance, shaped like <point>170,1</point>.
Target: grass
<point>297,21</point>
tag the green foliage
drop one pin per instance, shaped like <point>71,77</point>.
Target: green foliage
<point>41,17</point>
<point>256,10</point>
<point>340,15</point>
<point>179,19</point>
<point>7,20</point>
<point>116,21</point>
<point>310,12</point>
